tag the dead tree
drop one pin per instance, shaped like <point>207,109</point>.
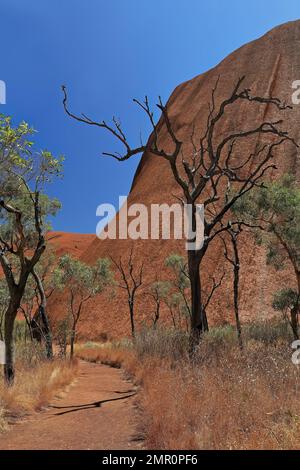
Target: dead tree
<point>201,176</point>
<point>131,281</point>
<point>234,260</point>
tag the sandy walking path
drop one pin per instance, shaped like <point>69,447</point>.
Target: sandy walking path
<point>96,413</point>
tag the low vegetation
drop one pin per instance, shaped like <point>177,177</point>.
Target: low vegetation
<point>37,382</point>
<point>224,398</point>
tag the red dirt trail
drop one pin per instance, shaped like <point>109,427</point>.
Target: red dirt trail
<point>82,419</point>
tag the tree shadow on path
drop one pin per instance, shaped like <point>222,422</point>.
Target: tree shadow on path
<point>87,406</point>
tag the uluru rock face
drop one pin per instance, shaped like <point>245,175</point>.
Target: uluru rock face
<point>74,244</point>
<point>270,64</point>
<point>62,243</point>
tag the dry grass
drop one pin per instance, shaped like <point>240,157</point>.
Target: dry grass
<point>111,354</point>
<point>225,399</point>
<point>36,383</point>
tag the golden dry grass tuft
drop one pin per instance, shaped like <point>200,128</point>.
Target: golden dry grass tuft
<point>34,387</point>
<point>224,399</point>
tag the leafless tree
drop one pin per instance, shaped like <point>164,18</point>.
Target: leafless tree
<point>214,164</point>
<point>131,281</point>
<point>234,260</point>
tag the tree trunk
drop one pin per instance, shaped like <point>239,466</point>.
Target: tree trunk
<point>236,280</point>
<point>44,317</point>
<point>47,332</point>
<point>1,326</point>
<point>236,305</point>
<point>131,311</point>
<point>173,317</point>
<point>72,341</point>
<point>156,314</point>
<point>294,321</point>
<point>29,324</point>
<point>198,315</point>
<point>9,368</point>
<point>295,311</point>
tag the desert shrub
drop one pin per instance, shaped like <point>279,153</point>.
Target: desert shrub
<point>221,335</point>
<point>30,354</point>
<point>268,332</point>
<point>21,333</point>
<point>90,345</point>
<point>162,343</point>
<point>61,335</point>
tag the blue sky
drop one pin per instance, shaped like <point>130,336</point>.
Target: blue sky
<point>108,52</point>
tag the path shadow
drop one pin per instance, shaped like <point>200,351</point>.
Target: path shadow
<point>87,406</point>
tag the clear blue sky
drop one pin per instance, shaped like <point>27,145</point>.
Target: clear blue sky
<point>107,52</point>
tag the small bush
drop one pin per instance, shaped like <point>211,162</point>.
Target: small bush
<point>29,354</point>
<point>21,332</point>
<point>161,343</point>
<point>90,345</point>
<point>269,332</point>
<point>61,335</point>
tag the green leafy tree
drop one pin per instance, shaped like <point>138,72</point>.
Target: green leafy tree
<point>176,309</point>
<point>274,211</point>
<point>24,212</point>
<point>82,282</point>
<point>285,301</point>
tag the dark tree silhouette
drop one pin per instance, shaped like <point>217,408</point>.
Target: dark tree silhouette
<point>131,281</point>
<point>234,260</point>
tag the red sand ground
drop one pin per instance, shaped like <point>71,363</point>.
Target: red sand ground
<point>79,420</point>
